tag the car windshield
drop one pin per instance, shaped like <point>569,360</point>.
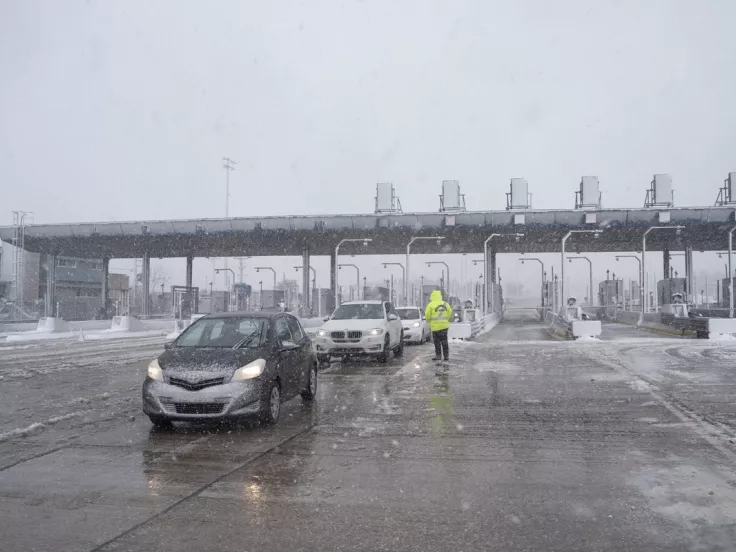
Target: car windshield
<point>224,333</point>
<point>408,314</point>
<point>361,311</point>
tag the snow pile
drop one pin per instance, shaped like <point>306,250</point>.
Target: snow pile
<point>639,385</point>
<point>22,431</point>
<point>587,339</point>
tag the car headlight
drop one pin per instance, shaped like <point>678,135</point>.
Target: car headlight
<point>416,324</point>
<point>321,333</point>
<point>250,371</point>
<point>375,331</point>
<point>154,371</point>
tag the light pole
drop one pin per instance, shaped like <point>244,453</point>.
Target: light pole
<point>403,276</point>
<point>590,266</point>
<point>730,272</point>
<point>483,290</point>
<point>408,252</point>
<point>430,263</point>
<point>314,277</point>
<point>638,260</point>
<point>543,272</point>
<point>358,272</point>
<point>260,294</point>
<point>487,281</point>
<point>365,241</point>
<point>562,272</point>
<point>227,287</point>
<point>259,268</point>
<point>678,229</point>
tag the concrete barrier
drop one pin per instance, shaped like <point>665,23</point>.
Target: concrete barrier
<point>52,325</point>
<point>126,324</point>
<point>474,328</point>
<point>574,329</point>
<point>720,327</point>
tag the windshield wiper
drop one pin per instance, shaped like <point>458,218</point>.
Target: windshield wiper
<point>246,340</point>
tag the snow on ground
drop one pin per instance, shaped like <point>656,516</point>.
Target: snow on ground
<point>39,426</point>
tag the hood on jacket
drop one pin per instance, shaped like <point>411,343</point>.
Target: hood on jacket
<point>436,295</point>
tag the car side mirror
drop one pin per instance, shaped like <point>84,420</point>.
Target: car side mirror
<point>392,317</point>
<point>169,345</point>
<point>326,318</point>
<point>288,346</point>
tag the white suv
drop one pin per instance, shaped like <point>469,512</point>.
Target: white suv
<point>360,328</point>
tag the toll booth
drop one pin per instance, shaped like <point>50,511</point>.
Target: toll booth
<point>668,288</point>
<point>185,301</point>
<point>242,296</point>
<point>611,292</point>
<point>377,293</point>
<point>676,306</point>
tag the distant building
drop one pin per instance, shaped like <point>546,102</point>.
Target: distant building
<point>78,286</point>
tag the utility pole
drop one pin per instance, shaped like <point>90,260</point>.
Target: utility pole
<point>228,165</point>
<point>241,260</point>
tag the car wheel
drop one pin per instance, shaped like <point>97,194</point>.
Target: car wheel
<point>159,422</point>
<point>271,404</point>
<point>383,356</point>
<point>399,351</point>
<point>310,393</point>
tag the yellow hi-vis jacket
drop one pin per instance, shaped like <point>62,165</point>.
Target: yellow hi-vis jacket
<point>438,313</point>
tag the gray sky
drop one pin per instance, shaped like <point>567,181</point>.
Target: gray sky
<point>123,110</point>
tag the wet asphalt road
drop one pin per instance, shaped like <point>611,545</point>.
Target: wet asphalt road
<point>522,443</point>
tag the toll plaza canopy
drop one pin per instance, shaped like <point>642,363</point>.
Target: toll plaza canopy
<point>704,228</point>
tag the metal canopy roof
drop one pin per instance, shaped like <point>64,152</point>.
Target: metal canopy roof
<point>706,229</point>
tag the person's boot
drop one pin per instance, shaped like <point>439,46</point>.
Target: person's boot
<point>436,357</point>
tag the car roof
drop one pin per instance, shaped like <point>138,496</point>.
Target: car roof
<point>408,307</point>
<point>366,302</point>
<point>244,314</point>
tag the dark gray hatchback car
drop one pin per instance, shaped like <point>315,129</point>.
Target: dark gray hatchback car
<point>231,365</point>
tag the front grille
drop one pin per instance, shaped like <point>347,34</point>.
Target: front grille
<point>351,337</point>
<point>184,384</point>
<point>199,408</point>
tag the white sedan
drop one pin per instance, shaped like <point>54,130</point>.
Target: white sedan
<point>416,329</point>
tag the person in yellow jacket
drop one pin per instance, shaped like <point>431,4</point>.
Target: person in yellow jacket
<point>439,313</point>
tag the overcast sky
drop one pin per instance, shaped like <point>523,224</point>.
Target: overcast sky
<point>122,110</point>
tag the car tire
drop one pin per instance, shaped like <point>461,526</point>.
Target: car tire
<point>271,404</point>
<point>310,393</point>
<point>399,350</point>
<point>160,422</point>
<point>428,338</point>
<point>383,356</point>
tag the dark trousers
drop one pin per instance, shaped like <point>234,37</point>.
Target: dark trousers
<point>441,347</point>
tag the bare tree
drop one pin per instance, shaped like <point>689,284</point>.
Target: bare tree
<point>159,276</point>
